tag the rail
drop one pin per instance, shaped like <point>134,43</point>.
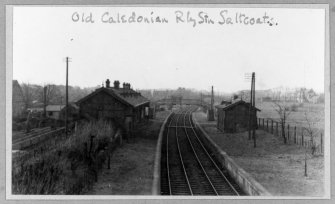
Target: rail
<point>187,167</point>
<point>31,140</point>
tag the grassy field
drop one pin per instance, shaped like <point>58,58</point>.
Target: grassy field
<point>315,114</point>
<point>304,117</point>
<point>277,166</point>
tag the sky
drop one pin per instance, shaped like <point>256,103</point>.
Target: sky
<point>290,53</point>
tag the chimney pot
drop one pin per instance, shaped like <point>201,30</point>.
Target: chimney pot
<point>116,84</point>
<point>107,83</point>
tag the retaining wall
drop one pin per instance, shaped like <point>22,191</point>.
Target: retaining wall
<point>156,185</point>
<point>243,179</point>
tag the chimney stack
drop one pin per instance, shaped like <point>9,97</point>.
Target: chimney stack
<point>107,83</point>
<point>116,84</point>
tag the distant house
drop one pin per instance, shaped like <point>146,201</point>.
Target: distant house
<point>53,111</point>
<point>234,117</point>
<point>123,105</point>
<point>18,104</point>
<point>58,112</point>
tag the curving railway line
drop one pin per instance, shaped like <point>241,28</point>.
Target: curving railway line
<point>187,168</point>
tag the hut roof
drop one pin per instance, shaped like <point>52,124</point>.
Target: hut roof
<point>229,106</point>
<point>54,108</point>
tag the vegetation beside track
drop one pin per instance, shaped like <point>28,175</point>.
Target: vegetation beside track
<point>67,167</point>
<point>132,164</point>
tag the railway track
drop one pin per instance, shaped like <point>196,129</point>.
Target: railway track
<point>187,168</point>
<point>34,137</point>
<point>23,136</point>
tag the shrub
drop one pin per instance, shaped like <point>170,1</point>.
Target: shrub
<point>294,107</point>
<point>70,167</point>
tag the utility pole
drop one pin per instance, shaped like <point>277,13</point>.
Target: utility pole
<point>254,109</point>
<point>45,101</point>
<point>66,96</point>
<point>211,110</point>
<point>250,107</point>
<point>251,128</point>
<point>212,99</point>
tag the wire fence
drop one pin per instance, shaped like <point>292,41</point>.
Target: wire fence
<point>294,134</point>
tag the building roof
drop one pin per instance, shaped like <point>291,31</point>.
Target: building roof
<point>229,106</point>
<point>54,108</point>
<point>125,95</point>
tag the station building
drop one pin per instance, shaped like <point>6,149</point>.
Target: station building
<point>124,106</point>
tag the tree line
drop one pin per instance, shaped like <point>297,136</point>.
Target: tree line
<point>34,95</point>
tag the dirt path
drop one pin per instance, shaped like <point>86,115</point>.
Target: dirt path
<point>278,167</point>
<point>132,163</point>
<point>131,170</point>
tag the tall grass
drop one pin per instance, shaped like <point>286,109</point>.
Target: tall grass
<point>70,167</point>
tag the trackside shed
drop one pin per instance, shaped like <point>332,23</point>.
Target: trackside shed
<point>235,117</point>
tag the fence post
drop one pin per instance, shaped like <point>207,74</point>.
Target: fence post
<point>321,144</point>
<point>288,132</point>
<point>271,126</point>
<point>267,125</point>
<point>295,134</point>
<point>259,122</point>
<point>263,123</point>
<point>302,138</point>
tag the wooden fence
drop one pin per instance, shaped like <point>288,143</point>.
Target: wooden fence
<point>293,134</point>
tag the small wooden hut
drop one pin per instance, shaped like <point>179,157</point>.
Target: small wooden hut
<point>234,117</point>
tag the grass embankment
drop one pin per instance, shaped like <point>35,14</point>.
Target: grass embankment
<point>277,166</point>
<point>132,164</point>
<point>68,166</point>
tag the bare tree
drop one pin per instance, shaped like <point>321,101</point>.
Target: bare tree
<point>311,131</point>
<point>284,112</point>
<point>27,93</point>
<point>49,93</point>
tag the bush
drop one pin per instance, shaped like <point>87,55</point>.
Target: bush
<point>294,107</point>
<point>69,168</point>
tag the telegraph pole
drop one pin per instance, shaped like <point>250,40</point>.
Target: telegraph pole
<point>250,107</point>
<point>211,109</point>
<point>254,109</point>
<point>212,99</point>
<point>66,96</point>
<point>45,101</point>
